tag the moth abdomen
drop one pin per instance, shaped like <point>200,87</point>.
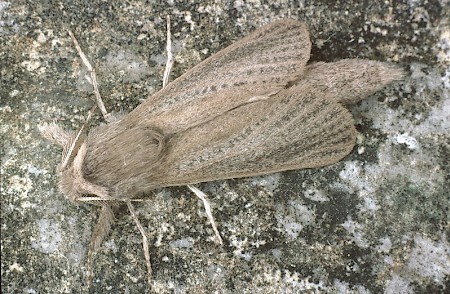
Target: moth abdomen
<point>348,81</point>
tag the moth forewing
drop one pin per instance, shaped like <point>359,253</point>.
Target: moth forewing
<point>294,129</point>
<point>257,65</point>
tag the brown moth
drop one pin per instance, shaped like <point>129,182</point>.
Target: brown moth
<point>254,108</point>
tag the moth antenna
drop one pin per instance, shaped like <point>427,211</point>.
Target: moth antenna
<point>207,206</point>
<point>68,140</point>
<point>169,62</point>
<point>90,68</point>
<point>69,152</point>
<point>144,242</point>
<point>101,230</point>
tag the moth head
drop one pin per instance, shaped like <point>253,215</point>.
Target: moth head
<point>71,180</point>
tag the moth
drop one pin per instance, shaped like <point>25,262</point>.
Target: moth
<point>256,107</point>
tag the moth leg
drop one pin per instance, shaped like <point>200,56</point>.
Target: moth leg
<point>144,242</point>
<point>207,205</point>
<point>100,104</point>
<point>200,194</point>
<point>169,62</point>
<point>101,229</point>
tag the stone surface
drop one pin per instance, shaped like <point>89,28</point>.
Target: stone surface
<point>377,221</point>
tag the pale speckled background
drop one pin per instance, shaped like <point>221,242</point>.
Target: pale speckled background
<point>376,222</point>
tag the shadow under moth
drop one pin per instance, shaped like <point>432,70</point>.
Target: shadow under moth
<point>256,107</point>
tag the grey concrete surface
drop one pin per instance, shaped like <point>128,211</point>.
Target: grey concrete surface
<point>378,221</point>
